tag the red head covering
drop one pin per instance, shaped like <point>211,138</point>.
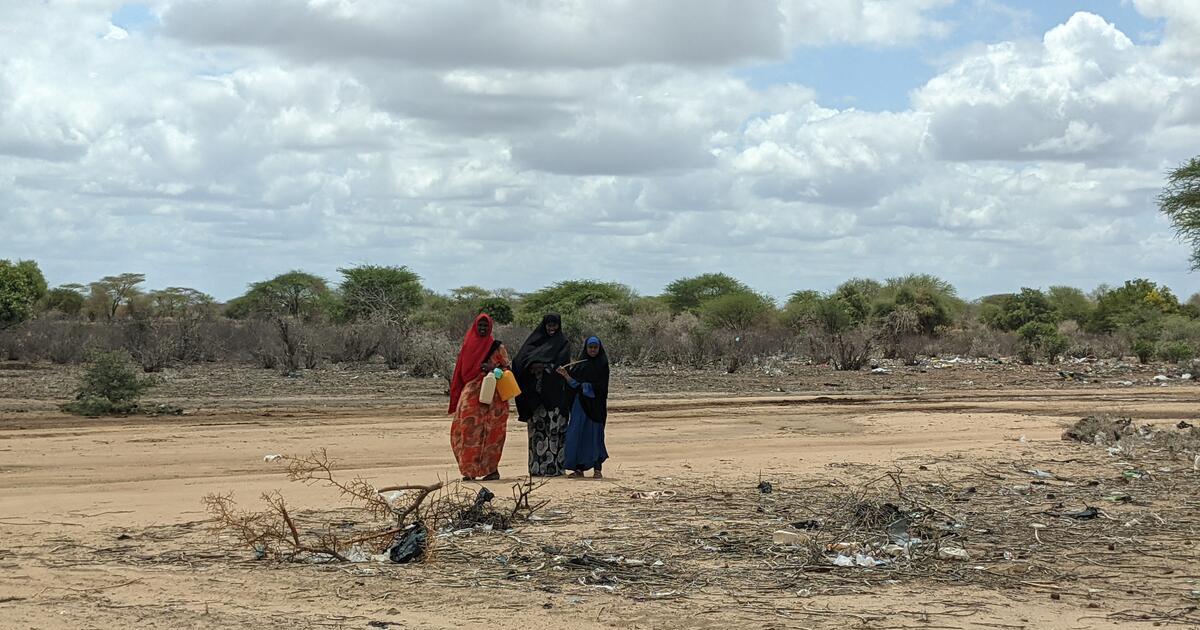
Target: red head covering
<point>474,352</point>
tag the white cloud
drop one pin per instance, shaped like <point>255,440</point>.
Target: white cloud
<point>1183,26</point>
<point>815,22</point>
<point>486,143</point>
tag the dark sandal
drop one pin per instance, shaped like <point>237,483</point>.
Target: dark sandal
<point>495,476</point>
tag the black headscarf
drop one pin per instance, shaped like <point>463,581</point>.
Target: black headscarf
<point>593,370</point>
<point>551,350</point>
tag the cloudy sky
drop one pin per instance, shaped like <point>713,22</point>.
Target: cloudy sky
<point>514,143</point>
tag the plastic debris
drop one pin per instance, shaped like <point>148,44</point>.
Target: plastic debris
<point>409,544</point>
<point>1040,474</point>
<point>1161,378</point>
<point>358,554</point>
<point>789,537</point>
<point>857,560</point>
<point>1085,514</point>
<point>954,553</point>
<point>654,494</point>
<point>765,487</point>
<point>879,370</point>
<point>272,458</point>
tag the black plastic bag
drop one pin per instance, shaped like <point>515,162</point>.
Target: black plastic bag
<point>409,545</point>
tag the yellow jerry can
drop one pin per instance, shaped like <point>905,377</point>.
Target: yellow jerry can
<point>507,386</point>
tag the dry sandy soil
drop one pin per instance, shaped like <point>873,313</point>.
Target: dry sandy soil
<point>102,526</point>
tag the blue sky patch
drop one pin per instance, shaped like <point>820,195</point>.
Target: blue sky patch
<point>880,78</point>
<point>131,17</point>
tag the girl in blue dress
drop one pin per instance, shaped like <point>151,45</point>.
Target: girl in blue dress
<point>588,380</point>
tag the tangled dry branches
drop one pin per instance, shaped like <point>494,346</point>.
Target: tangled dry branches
<point>372,519</point>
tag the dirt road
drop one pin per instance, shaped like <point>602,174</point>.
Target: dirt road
<point>95,515</point>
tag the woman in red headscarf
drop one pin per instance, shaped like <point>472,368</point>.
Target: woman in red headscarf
<point>477,433</point>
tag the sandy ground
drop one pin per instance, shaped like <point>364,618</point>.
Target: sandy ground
<point>91,510</point>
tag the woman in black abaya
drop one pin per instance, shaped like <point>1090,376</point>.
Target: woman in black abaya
<point>543,401</point>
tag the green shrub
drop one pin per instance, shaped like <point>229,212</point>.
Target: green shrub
<point>1144,349</point>
<point>1041,339</point>
<point>109,386</point>
<point>1175,351</point>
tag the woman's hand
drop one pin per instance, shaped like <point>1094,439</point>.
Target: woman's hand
<point>487,366</point>
<point>562,371</point>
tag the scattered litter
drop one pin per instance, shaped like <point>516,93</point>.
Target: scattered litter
<point>1183,424</point>
<point>1118,497</point>
<point>393,496</point>
<point>1161,378</point>
<point>272,458</point>
<point>654,494</point>
<point>954,553</point>
<point>879,370</point>
<point>807,525</point>
<point>1185,377</point>
<point>1085,514</point>
<point>358,554</point>
<point>765,487</point>
<point>792,538</point>
<point>1040,474</point>
<point>409,544</point>
<point>857,560</point>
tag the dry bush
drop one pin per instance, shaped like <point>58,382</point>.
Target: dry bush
<point>11,346</point>
<point>150,343</point>
<point>66,342</point>
<point>284,343</point>
<point>394,345</point>
<point>1082,344</point>
<point>687,341</point>
<point>352,343</point>
<point>976,340</point>
<point>645,341</point>
<point>431,355</point>
<point>371,520</point>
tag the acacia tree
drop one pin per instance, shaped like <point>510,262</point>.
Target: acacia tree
<point>689,294</point>
<point>293,294</point>
<point>1180,201</point>
<point>569,297</point>
<point>111,292</point>
<point>181,303</point>
<point>381,293</point>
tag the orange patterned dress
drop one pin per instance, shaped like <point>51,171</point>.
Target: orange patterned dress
<point>477,433</point>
